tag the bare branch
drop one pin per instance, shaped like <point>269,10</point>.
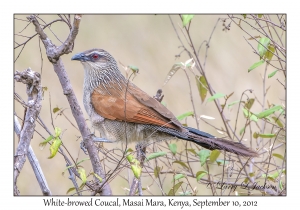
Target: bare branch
<point>54,54</point>
<point>34,162</point>
<point>34,92</point>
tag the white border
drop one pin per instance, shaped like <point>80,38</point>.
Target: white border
<point>196,6</point>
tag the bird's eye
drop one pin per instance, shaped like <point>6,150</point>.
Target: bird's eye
<point>95,56</point>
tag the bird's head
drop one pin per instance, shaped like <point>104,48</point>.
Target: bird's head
<point>96,60</point>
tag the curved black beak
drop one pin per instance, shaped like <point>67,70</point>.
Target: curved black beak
<point>79,57</point>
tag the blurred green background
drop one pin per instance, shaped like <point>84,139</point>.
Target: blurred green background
<point>150,43</point>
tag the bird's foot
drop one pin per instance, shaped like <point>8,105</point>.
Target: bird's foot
<point>82,146</point>
<point>141,152</point>
<point>97,139</point>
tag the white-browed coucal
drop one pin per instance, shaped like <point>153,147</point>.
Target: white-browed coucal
<point>107,94</point>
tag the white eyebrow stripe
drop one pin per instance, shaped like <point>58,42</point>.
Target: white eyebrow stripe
<point>92,53</point>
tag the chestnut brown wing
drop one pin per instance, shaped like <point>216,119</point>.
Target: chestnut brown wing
<point>140,108</point>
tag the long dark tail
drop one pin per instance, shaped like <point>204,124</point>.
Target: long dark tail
<point>210,142</point>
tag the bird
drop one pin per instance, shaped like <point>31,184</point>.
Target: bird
<point>121,111</point>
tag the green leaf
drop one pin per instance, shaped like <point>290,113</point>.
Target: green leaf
<point>249,103</point>
<point>244,15</point>
<point>67,169</point>
<point>278,156</point>
<point>130,158</point>
<point>221,162</point>
<point>281,111</point>
<point>81,186</point>
<point>255,135</point>
<point>129,150</point>
<point>200,174</point>
<point>189,63</point>
<point>181,163</point>
<point>266,135</point>
<point>185,193</point>
<point>173,148</point>
<point>178,176</point>
<point>202,87</point>
<point>192,151</point>
<point>259,16</point>
<point>229,95</point>
<point>156,155</point>
<point>217,95</point>
<point>268,111</point>
<point>175,188</point>
<point>263,46</point>
<point>135,161</point>
<point>172,72</point>
<point>269,54</point>
<point>272,74</point>
<point>278,122</point>
<point>280,185</point>
<point>134,69</point>
<point>183,116</point>
<point>56,109</point>
<point>57,131</point>
<point>43,144</point>
<point>156,171</point>
<point>250,115</point>
<point>97,176</point>
<point>273,176</point>
<point>214,155</point>
<point>232,103</point>
<point>70,189</point>
<point>82,175</point>
<point>81,161</point>
<point>242,131</point>
<point>255,65</point>
<point>203,155</point>
<point>136,171</point>
<point>54,147</point>
<point>186,19</point>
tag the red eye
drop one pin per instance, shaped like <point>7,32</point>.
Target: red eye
<point>95,56</point>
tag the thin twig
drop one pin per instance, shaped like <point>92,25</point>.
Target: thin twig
<point>192,100</point>
<point>34,162</point>
<point>53,54</point>
<point>208,42</point>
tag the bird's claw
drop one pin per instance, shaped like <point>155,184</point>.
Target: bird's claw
<point>97,139</point>
<point>82,146</point>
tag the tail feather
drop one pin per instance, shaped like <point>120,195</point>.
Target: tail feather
<point>221,144</point>
<point>210,142</point>
<point>200,133</point>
